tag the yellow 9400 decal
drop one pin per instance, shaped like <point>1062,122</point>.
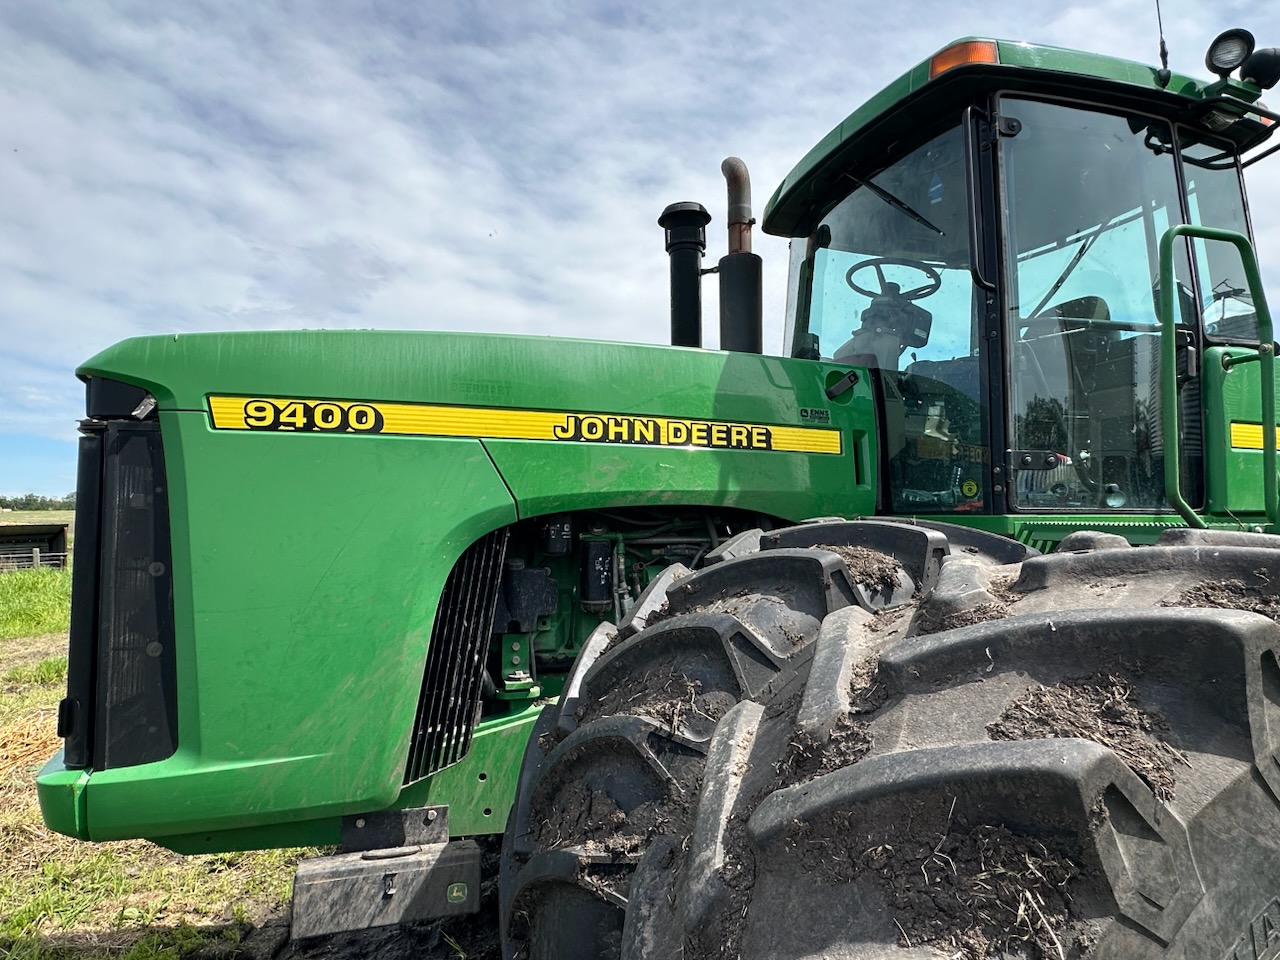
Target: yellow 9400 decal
<point>428,420</point>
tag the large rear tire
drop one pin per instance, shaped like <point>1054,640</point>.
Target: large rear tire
<point>1057,758</point>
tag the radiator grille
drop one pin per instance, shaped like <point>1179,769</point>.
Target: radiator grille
<point>449,703</point>
<point>121,703</point>
<point>136,685</point>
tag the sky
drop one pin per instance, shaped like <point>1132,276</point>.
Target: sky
<point>468,166</point>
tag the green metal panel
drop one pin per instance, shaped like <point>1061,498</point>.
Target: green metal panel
<point>481,789</point>
<point>1095,66</point>
<point>1232,396</point>
<point>1045,532</point>
<point>745,387</point>
<point>304,590</point>
<point>325,832</point>
<point>479,792</point>
<point>61,795</point>
<point>307,565</point>
<point>477,369</point>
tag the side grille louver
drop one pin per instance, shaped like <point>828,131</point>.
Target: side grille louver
<point>449,703</point>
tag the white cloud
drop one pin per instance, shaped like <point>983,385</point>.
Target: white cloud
<point>479,166</point>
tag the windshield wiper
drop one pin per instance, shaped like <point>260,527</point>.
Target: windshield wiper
<point>1085,246</point>
<point>1062,277</point>
<point>897,204</point>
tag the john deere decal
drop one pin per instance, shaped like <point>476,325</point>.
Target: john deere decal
<point>418,419</point>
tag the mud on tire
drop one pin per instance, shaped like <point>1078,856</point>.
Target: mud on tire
<point>862,740</point>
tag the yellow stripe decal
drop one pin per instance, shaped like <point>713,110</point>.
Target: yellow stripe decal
<point>425,420</point>
<point>1248,436</point>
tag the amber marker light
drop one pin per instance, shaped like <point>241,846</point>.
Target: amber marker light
<point>959,54</point>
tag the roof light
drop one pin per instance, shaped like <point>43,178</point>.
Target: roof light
<point>962,53</point>
<point>1228,50</point>
<point>1262,69</point>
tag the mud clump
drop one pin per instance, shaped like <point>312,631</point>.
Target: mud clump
<point>669,697</point>
<point>550,740</point>
<point>611,640</point>
<point>808,757</point>
<point>870,567</point>
<point>971,890</point>
<point>582,816</point>
<point>611,799</point>
<point>1101,708</point>
<point>980,892</point>
<point>663,612</point>
<point>1233,595</point>
<point>722,936</point>
<point>1001,588</point>
<point>995,610</point>
<point>867,693</point>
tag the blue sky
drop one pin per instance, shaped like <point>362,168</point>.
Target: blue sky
<point>475,166</point>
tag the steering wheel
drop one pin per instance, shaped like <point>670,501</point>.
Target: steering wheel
<point>879,263</point>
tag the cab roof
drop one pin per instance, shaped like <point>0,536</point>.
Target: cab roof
<point>887,117</point>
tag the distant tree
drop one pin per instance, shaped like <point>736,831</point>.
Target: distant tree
<point>34,501</point>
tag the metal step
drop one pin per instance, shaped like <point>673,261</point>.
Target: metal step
<point>428,878</point>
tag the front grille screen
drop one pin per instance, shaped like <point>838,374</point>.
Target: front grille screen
<point>136,720</point>
<point>449,704</point>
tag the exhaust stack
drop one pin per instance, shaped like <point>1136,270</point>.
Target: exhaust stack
<point>686,227</point>
<point>741,296</point>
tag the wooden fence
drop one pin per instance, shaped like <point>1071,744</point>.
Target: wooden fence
<point>26,546</point>
<point>36,558</point>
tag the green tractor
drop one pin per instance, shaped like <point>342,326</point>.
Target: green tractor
<point>410,593</point>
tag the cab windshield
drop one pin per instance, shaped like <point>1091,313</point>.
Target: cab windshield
<point>1087,196</point>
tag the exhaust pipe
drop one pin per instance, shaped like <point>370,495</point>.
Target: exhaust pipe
<point>741,271</point>
<point>686,227</point>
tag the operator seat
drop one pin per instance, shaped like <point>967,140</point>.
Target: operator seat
<point>960,374</point>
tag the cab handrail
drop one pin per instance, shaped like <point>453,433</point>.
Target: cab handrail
<point>1265,354</point>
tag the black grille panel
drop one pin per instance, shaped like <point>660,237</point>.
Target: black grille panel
<point>137,719</point>
<point>75,713</point>
<point>120,708</point>
<point>449,703</point>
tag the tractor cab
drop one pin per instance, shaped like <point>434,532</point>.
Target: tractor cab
<point>983,237</point>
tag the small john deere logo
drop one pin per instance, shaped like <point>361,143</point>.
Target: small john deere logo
<point>457,893</point>
<point>969,489</point>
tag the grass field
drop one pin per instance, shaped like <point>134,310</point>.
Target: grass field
<point>34,602</point>
<point>63,899</point>
<point>38,516</point>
